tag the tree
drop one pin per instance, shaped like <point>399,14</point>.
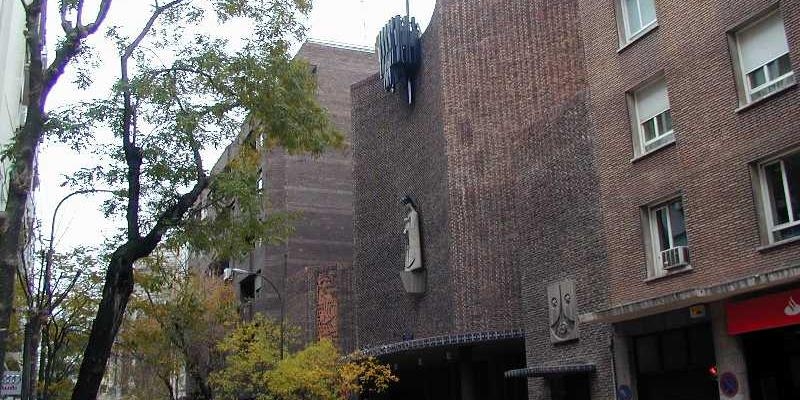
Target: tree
<point>254,369</point>
<point>46,281</point>
<point>65,332</point>
<point>165,109</point>
<point>78,23</point>
<point>175,321</point>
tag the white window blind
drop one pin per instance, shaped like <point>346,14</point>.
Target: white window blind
<point>651,101</point>
<point>762,42</point>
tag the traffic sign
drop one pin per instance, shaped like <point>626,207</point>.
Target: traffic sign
<point>12,384</point>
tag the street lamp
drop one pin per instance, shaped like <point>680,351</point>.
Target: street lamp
<point>227,275</point>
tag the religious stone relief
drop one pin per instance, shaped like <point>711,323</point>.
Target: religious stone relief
<point>413,247</point>
<point>563,311</point>
<point>413,275</point>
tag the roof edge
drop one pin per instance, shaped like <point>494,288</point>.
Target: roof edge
<point>341,45</point>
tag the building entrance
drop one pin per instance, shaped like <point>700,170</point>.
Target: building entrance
<point>773,363</point>
<point>570,387</point>
<point>674,364</point>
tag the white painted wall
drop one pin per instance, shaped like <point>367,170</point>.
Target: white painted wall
<point>12,79</point>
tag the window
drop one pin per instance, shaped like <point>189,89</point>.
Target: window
<point>667,237</point>
<point>763,55</point>
<point>780,188</point>
<point>260,182</point>
<point>652,118</point>
<point>247,288</point>
<point>637,16</point>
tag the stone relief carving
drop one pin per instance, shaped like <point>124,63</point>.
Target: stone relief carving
<point>413,246</point>
<point>413,275</point>
<point>563,311</point>
<point>327,306</point>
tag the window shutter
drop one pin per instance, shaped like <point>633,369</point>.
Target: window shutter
<point>762,42</point>
<point>651,101</point>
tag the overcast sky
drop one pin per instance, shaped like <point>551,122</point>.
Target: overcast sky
<point>354,22</point>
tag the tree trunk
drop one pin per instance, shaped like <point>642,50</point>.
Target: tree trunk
<point>43,360</point>
<point>30,357</point>
<point>20,180</point>
<point>116,292</point>
<point>12,235</point>
<point>203,390</point>
<point>166,381</point>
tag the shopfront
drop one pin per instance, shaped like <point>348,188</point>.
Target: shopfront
<point>769,329</point>
<point>667,356</point>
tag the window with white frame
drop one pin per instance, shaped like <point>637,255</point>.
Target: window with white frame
<point>637,16</point>
<point>668,240</point>
<point>653,118</point>
<point>780,188</point>
<point>763,55</point>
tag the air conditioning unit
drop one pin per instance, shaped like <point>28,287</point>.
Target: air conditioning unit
<point>675,257</point>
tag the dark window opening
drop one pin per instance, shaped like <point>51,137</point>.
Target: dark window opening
<point>773,363</point>
<point>570,387</point>
<point>247,288</point>
<point>674,364</point>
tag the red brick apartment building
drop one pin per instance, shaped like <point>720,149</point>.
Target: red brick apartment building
<point>609,197</point>
<point>694,110</point>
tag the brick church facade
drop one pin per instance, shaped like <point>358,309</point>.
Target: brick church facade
<point>607,194</point>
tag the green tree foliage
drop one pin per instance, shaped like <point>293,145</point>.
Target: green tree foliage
<point>182,90</point>
<point>250,351</point>
<point>317,372</point>
<point>65,332</point>
<point>174,321</point>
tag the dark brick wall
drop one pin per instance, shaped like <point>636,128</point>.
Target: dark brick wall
<point>523,186</point>
<point>485,79</point>
<point>710,160</point>
<point>399,150</point>
<point>318,190</point>
<point>520,186</point>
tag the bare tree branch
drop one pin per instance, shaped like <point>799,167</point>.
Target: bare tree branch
<point>70,48</point>
<point>102,11</point>
<point>198,160</point>
<point>133,154</point>
<point>24,280</point>
<point>60,298</point>
<point>65,24</point>
<point>79,17</point>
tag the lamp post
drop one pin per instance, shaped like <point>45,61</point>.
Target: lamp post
<point>228,274</point>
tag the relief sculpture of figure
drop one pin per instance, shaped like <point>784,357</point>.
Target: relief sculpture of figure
<point>413,249</point>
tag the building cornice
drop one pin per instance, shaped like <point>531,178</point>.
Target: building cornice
<point>685,298</point>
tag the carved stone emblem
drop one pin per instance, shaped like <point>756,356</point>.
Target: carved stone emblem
<point>563,311</point>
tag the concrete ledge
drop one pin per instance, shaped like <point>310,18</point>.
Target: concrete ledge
<point>692,296</point>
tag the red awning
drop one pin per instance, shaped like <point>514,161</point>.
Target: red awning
<point>764,312</point>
